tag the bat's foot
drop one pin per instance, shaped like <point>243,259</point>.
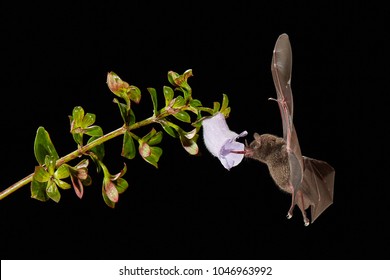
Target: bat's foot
<point>289,215</point>
<point>306,221</point>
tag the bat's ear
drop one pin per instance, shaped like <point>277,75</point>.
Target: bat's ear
<point>257,137</point>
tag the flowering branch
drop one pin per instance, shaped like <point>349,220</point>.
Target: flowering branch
<point>52,171</point>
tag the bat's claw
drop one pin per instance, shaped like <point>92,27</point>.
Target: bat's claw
<point>306,221</point>
<point>289,215</point>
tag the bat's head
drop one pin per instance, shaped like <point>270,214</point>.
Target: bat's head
<point>263,147</point>
<point>254,147</point>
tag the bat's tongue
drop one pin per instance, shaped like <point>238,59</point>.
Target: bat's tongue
<point>239,152</point>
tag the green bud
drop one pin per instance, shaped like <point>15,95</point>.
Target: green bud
<point>116,85</point>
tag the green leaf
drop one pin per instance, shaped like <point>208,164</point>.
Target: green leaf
<point>226,112</point>
<point>153,137</point>
<point>189,144</point>
<point>83,164</point>
<point>94,130</point>
<point>107,200</point>
<point>168,129</point>
<point>180,82</point>
<point>156,138</point>
<point>187,74</point>
<point>50,163</point>
<point>121,185</point>
<point>225,102</point>
<point>120,174</point>
<point>62,172</point>
<point>153,158</point>
<point>88,120</point>
<point>62,184</point>
<point>43,146</point>
<point>183,116</point>
<point>122,110</point>
<point>172,76</point>
<point>184,84</point>
<point>98,150</point>
<point>134,94</point>
<point>38,190</point>
<point>168,94</point>
<point>78,138</point>
<point>195,103</point>
<point>144,149</point>
<point>111,191</point>
<point>128,148</point>
<point>156,153</point>
<point>179,102</point>
<point>191,134</point>
<point>150,134</point>
<point>52,191</point>
<point>131,117</point>
<point>41,175</point>
<point>153,95</point>
<point>216,107</point>
<point>150,154</point>
<point>78,115</point>
<point>116,85</point>
<point>126,114</point>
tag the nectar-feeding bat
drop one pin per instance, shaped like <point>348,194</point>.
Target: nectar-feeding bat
<point>309,181</point>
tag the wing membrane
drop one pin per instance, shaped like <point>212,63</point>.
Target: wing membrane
<point>317,186</point>
<point>281,72</point>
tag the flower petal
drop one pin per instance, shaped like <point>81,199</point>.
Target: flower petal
<point>221,141</point>
<point>216,132</point>
<point>227,157</point>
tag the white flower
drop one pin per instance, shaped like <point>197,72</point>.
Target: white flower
<point>221,141</point>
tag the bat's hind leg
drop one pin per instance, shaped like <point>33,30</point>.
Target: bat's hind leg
<point>299,196</point>
<point>290,211</point>
<point>301,206</point>
<point>305,218</point>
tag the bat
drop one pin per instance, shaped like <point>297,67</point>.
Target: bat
<point>309,181</point>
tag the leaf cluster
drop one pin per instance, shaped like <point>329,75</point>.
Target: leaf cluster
<point>179,108</point>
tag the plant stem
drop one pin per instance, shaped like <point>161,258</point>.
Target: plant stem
<point>16,186</point>
<point>82,150</point>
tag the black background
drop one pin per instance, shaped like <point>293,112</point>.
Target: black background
<point>55,57</point>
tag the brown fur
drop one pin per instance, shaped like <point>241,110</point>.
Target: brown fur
<point>271,150</point>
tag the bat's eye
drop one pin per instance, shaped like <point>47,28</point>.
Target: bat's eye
<point>255,145</point>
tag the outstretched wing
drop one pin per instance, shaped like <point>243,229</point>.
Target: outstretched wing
<point>317,186</point>
<point>281,73</point>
